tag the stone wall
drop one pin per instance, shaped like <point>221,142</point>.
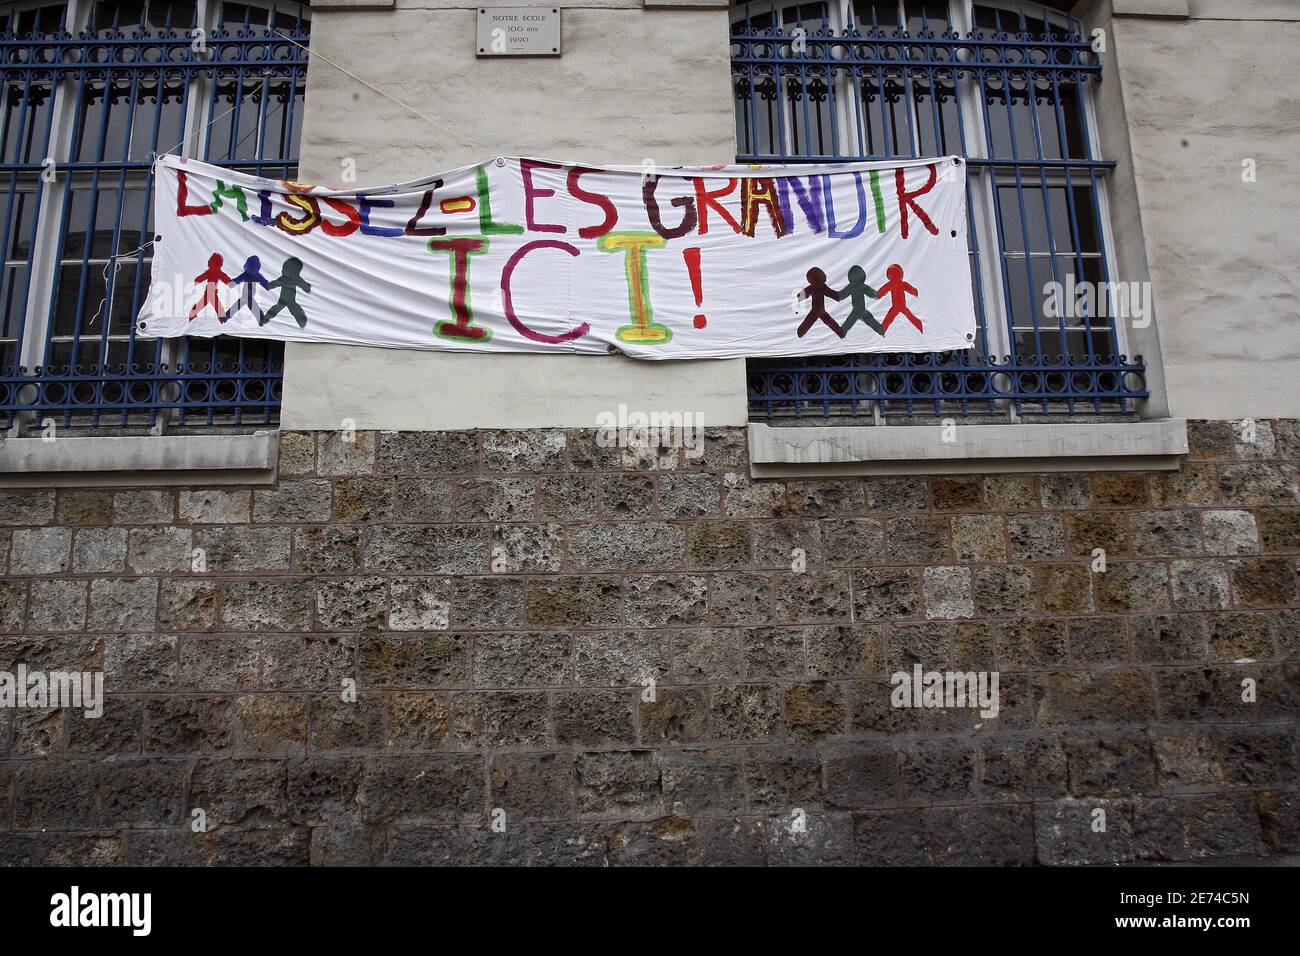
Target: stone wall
<point>505,602</point>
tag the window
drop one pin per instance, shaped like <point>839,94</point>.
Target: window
<point>92,91</point>
<point>1008,88</point>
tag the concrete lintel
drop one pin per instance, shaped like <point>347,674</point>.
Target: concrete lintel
<point>1171,9</point>
<point>809,451</point>
<point>682,4</point>
<point>353,4</point>
<point>138,459</point>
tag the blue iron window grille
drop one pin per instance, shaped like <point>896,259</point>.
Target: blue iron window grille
<point>1008,89</point>
<point>92,90</point>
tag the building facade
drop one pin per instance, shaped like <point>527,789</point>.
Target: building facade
<point>358,605</point>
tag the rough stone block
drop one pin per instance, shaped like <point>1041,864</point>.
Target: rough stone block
<point>1000,591</point>
<point>978,538</point>
<point>845,651</point>
<point>576,602</point>
<point>1036,537</point>
<point>1154,533</point>
<point>427,453</point>
<point>746,712</point>
<point>918,540</point>
<point>100,550</point>
<point>83,506</point>
<point>422,499</point>
<point>326,550</point>
<point>947,593</point>
<point>621,658</point>
<point>150,550</point>
<point>676,715</point>
<point>522,660</point>
<point>594,717</point>
<point>813,597</point>
<point>218,505</point>
<point>690,495</point>
<point>357,604</point>
<point>497,719</point>
<point>618,784</point>
<point>118,604</point>
<point>861,775</point>
<point>1132,586</point>
<point>186,604</point>
<point>718,544</point>
<point>496,499</point>
<point>527,547</point>
<point>41,551</point>
<point>306,500</point>
<point>1268,582</point>
<point>627,546</point>
<point>266,605</point>
<point>235,549</point>
<point>343,452</point>
<point>413,660</point>
<point>886,594</point>
<point>1199,585</point>
<point>145,506</point>
<point>363,500</point>
<point>441,788</point>
<point>532,786</point>
<point>567,497</point>
<point>534,450</point>
<point>1064,588</point>
<point>437,550</point>
<point>419,604</point>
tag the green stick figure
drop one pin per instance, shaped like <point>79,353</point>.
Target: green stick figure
<point>858,291</point>
<point>289,283</point>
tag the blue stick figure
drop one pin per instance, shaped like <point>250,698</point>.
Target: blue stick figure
<point>250,279</point>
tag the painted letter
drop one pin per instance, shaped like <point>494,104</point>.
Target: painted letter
<point>507,300</point>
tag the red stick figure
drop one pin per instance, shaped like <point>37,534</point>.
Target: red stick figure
<point>898,290</point>
<point>210,278</point>
<point>819,292</point>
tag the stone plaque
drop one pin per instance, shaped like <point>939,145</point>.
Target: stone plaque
<point>518,31</point>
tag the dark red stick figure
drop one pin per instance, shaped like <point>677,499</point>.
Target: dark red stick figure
<point>898,290</point>
<point>819,292</point>
<point>210,278</point>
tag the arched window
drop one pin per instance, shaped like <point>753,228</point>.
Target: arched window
<point>1009,87</point>
<point>93,90</point>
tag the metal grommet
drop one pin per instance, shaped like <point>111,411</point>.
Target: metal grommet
<point>500,160</point>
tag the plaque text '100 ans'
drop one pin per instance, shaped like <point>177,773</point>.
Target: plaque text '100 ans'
<point>518,31</point>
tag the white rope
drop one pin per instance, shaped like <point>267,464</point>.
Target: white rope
<point>112,261</point>
<point>365,83</point>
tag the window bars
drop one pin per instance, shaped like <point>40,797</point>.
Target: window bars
<point>1009,90</point>
<point>92,91</point>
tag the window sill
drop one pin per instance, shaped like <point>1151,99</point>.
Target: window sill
<point>139,460</point>
<point>807,451</point>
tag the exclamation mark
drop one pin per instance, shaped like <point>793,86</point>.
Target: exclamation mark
<point>692,257</point>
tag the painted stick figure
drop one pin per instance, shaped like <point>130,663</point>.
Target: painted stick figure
<point>857,291</point>
<point>819,292</point>
<point>289,283</point>
<point>898,290</point>
<point>209,278</point>
<point>250,279</point>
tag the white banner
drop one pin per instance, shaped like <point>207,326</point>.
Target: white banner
<point>525,255</point>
